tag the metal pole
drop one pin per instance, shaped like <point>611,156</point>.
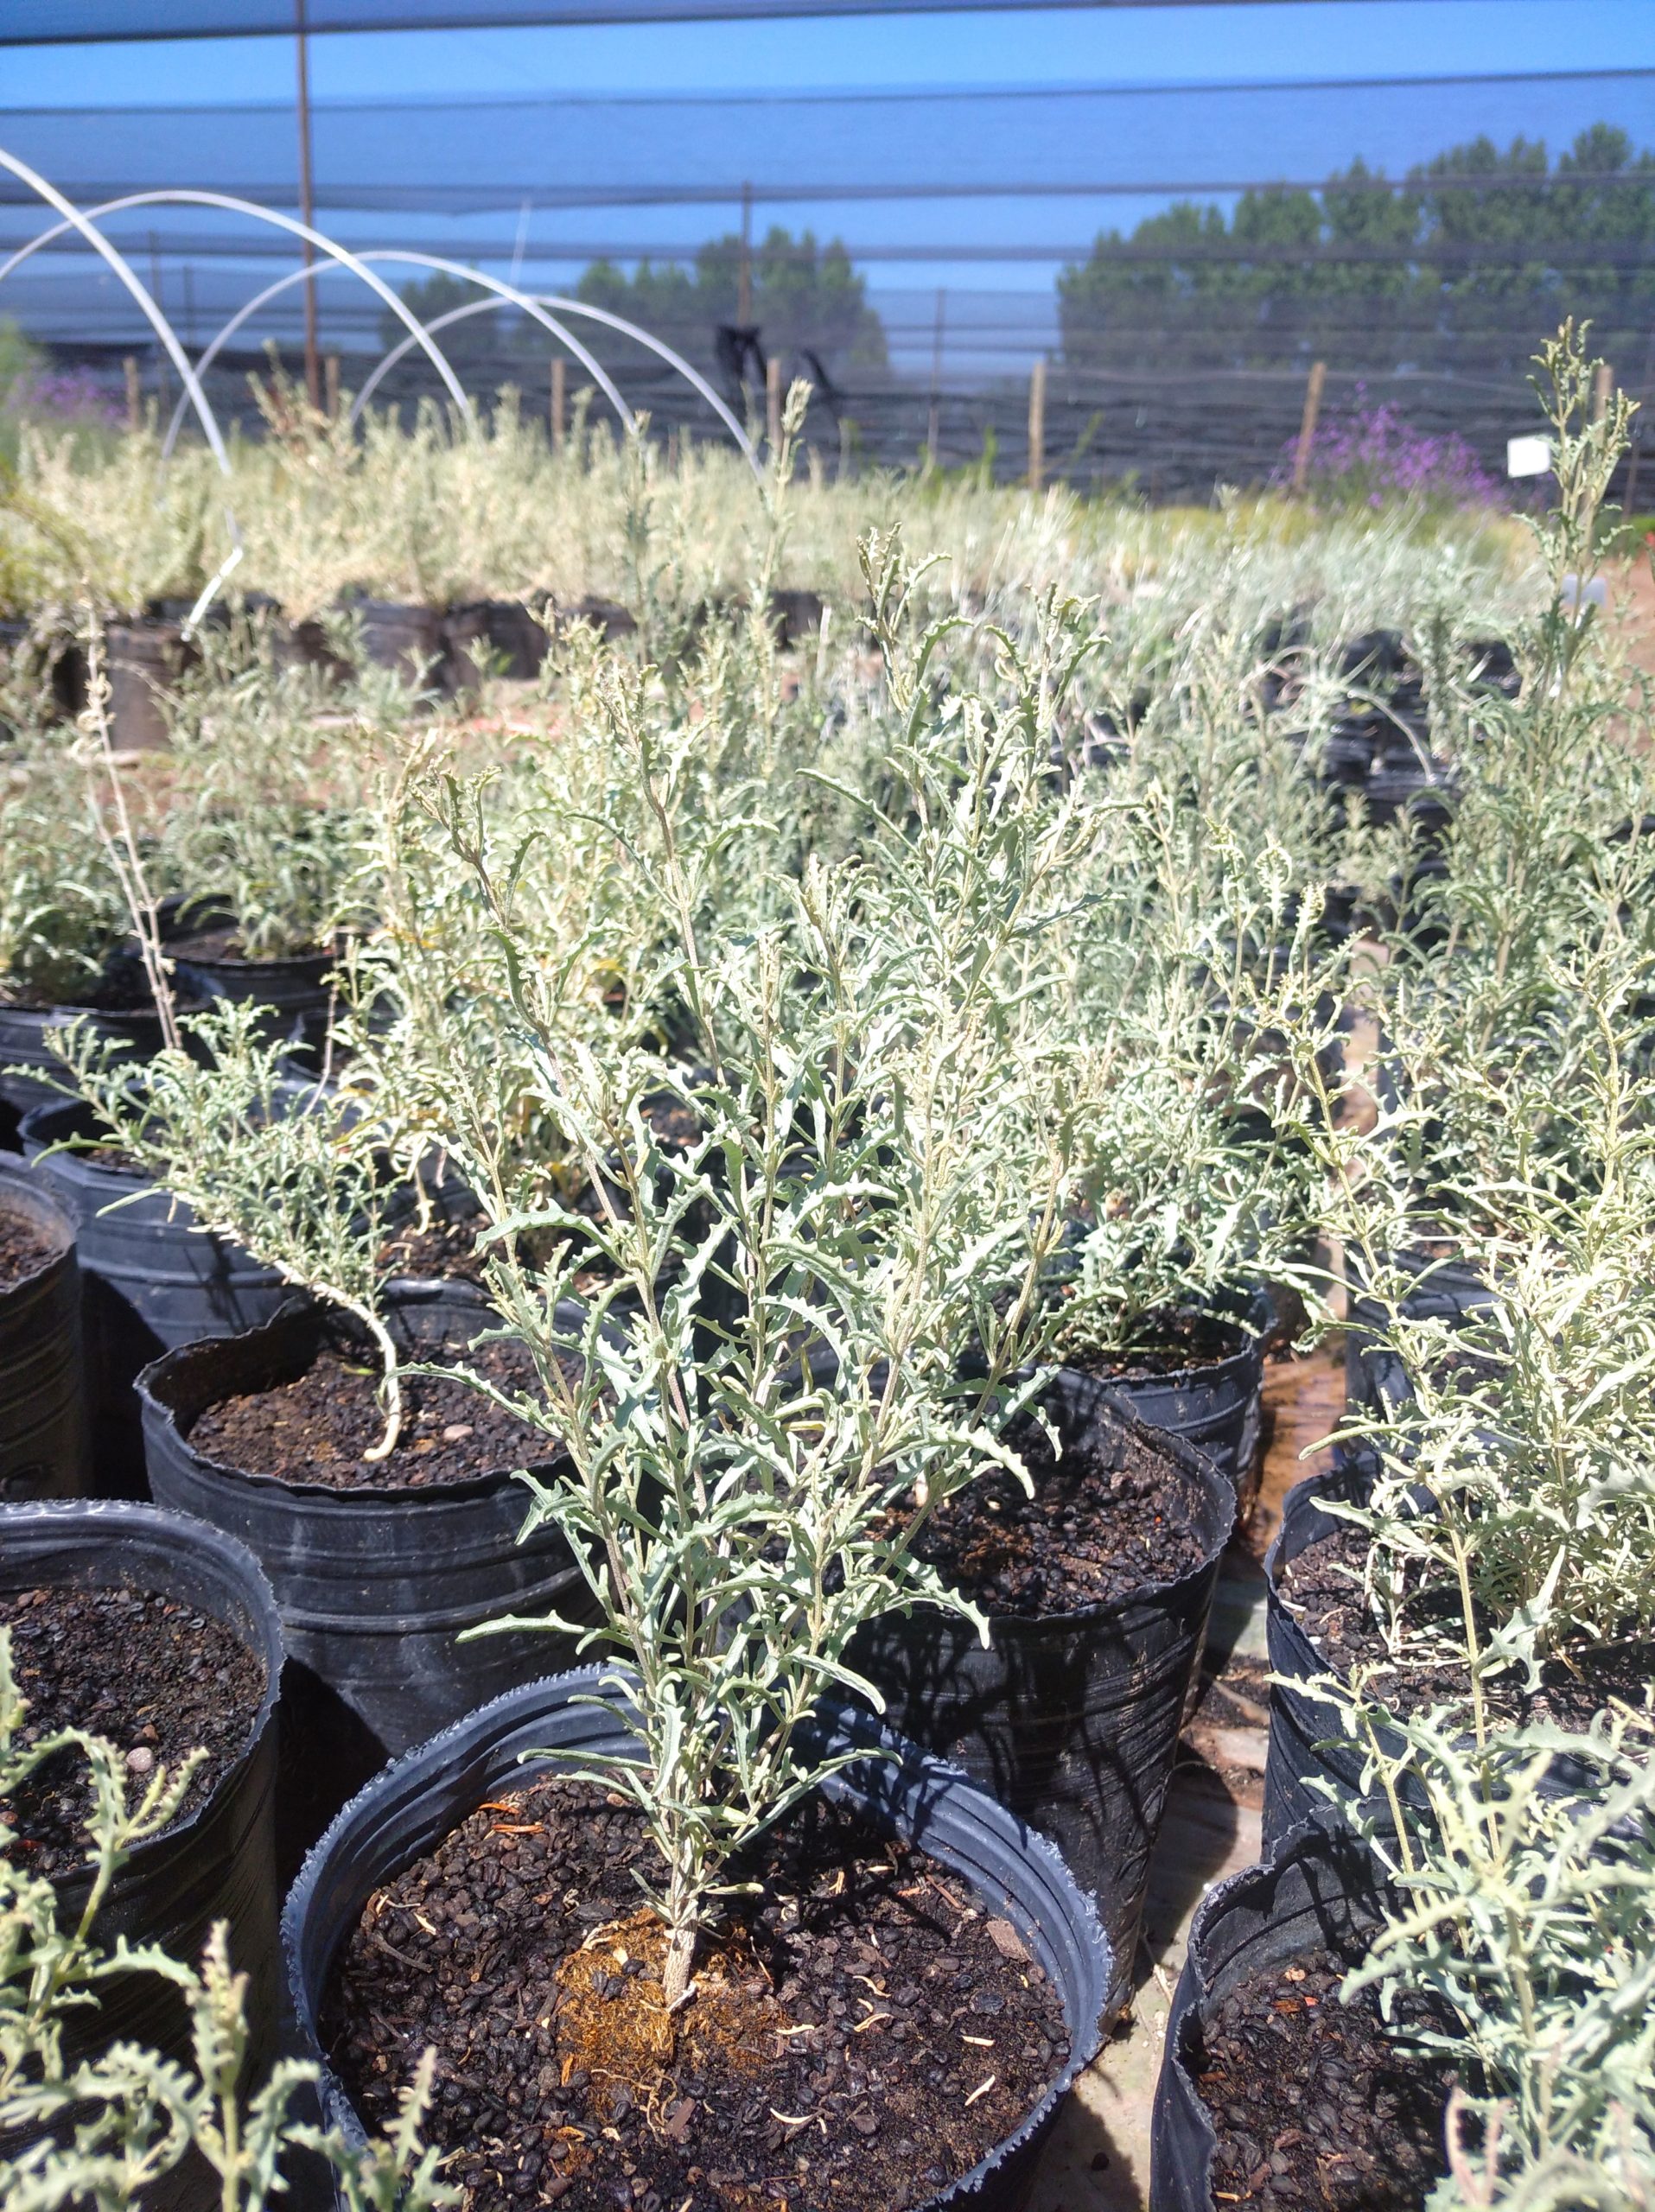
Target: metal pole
<point>933,423</point>
<point>559,401</point>
<point>744,268</point>
<point>306,215</point>
<point>1037,425</point>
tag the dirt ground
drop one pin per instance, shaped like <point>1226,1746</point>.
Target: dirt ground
<point>1099,2158</point>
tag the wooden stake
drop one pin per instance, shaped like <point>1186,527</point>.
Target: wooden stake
<point>559,401</point>
<point>1602,386</point>
<point>134,397</point>
<point>1629,498</point>
<point>331,376</point>
<point>1307,427</point>
<point>772,401</point>
<point>1037,425</point>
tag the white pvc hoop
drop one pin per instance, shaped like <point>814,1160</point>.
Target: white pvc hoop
<point>690,374</point>
<point>184,198</point>
<point>417,335</point>
<point>74,219</point>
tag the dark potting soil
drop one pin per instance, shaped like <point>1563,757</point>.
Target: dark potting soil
<point>25,1249</point>
<point>316,1428</point>
<point>862,2034</point>
<point>1316,2103</point>
<point>156,1678</point>
<point>1323,1585</point>
<point>225,944</point>
<point>121,988</point>
<point>1181,1340</point>
<point>1091,1534</point>
<point>443,1251</point>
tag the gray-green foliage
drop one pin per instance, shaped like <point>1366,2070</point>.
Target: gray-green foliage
<point>126,2117</point>
<point>1528,1911</point>
<point>61,910</point>
<point>765,1403</point>
<point>266,815</point>
<point>290,1170</point>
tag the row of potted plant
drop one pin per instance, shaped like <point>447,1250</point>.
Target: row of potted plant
<point>839,1141</point>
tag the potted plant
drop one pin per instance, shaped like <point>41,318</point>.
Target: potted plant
<point>86,2118</point>
<point>66,952</point>
<point>1458,1958</point>
<point>379,1504</point>
<point>42,1405</point>
<point>161,1633</point>
<point>729,1489</point>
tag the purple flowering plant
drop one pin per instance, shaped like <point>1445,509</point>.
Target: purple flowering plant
<point>1372,454</point>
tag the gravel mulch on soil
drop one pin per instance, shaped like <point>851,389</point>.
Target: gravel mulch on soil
<point>154,1677</point>
<point>1315,2103</point>
<point>862,2034</point>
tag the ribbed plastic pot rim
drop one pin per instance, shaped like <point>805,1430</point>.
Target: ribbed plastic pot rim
<point>165,1521</point>
<point>584,1682</point>
<point>474,1486</point>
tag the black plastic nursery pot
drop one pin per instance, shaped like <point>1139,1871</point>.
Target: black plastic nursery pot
<point>151,1278</point>
<point>1215,1406</point>
<point>218,1861</point>
<point>42,1382</point>
<point>1306,1742</point>
<point>375,1587</point>
<point>296,991</point>
<point>1071,1720</point>
<point>1446,1290</point>
<point>408,1810</point>
<point>123,1015</point>
<point>400,635</point>
<point>145,659</point>
<point>1316,1891</point>
<point>501,631</point>
<point>1313,1769</point>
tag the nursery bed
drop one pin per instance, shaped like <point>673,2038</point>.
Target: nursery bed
<point>1097,2159</point>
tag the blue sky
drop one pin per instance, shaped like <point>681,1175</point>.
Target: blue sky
<point>1352,41</point>
<point>1302,39</point>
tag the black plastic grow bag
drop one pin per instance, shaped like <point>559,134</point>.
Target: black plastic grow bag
<point>1307,1741</point>
<point>1071,1721</point>
<point>24,1033</point>
<point>1215,1408</point>
<point>374,1586</point>
<point>1313,1769</point>
<point>407,1810</point>
<point>42,1380</point>
<point>1317,1891</point>
<point>149,1278</point>
<point>217,1862</point>
<point>295,992</point>
<point>1448,1290</point>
